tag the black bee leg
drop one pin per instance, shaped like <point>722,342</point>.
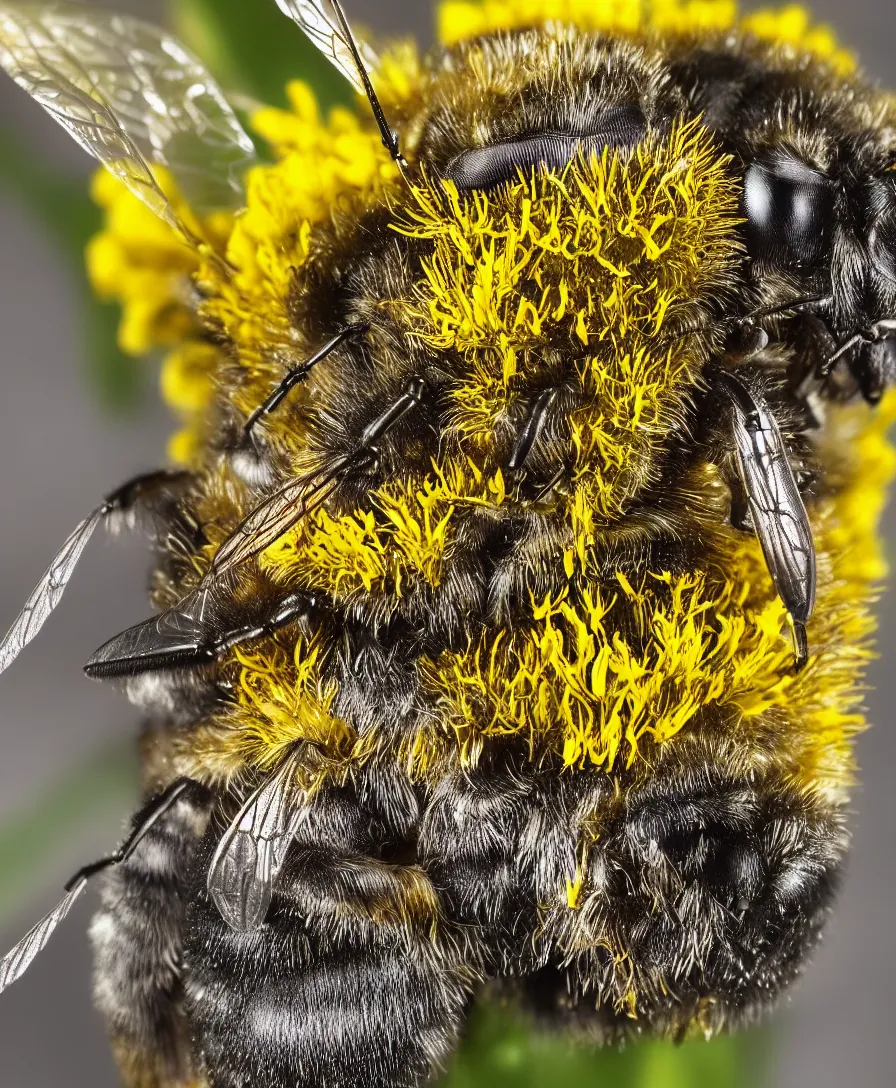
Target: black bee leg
<point>740,516</point>
<point>397,410</point>
<point>17,961</point>
<point>388,134</point>
<point>800,646</point>
<point>875,368</point>
<point>296,376</point>
<point>871,356</point>
<point>740,509</point>
<point>749,338</point>
<point>143,823</point>
<point>814,342</point>
<point>824,342</point>
<point>531,428</point>
<point>137,937</point>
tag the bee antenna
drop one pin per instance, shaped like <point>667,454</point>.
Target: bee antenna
<point>389,135</point>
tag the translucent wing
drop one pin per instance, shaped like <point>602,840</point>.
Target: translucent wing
<point>131,95</point>
<point>777,508</point>
<point>251,853</point>
<point>272,518</point>
<point>47,594</point>
<point>16,962</point>
<point>177,638</point>
<point>49,589</point>
<point>195,632</point>
<point>317,19</point>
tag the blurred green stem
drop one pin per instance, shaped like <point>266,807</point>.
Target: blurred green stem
<point>500,1050</point>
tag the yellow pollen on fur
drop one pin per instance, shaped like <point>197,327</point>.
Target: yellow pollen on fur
<point>590,263</point>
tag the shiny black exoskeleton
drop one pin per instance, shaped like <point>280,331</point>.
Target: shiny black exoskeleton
<point>819,201</point>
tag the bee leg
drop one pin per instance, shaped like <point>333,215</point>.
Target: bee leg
<point>800,640</point>
<point>397,410</point>
<point>751,339</point>
<point>388,134</point>
<point>531,429</point>
<point>876,365</point>
<point>871,357</point>
<point>137,938</point>
<point>740,515</point>
<point>297,375</point>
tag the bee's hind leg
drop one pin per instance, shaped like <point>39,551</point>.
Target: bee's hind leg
<point>137,939</point>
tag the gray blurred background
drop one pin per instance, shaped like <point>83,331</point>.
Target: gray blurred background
<point>60,452</point>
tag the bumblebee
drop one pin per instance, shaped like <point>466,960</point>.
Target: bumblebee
<point>515,566</point>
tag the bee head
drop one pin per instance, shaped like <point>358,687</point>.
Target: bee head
<point>819,208</point>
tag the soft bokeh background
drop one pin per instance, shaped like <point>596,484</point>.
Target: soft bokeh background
<point>60,450</point>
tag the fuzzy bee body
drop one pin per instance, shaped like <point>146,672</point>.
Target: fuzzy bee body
<point>515,594</point>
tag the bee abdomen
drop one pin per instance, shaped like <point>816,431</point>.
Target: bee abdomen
<point>289,1009</point>
<point>342,985</point>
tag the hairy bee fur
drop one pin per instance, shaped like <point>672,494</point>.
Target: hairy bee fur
<point>528,668</point>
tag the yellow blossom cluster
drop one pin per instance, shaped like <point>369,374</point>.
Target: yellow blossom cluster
<point>789,27</point>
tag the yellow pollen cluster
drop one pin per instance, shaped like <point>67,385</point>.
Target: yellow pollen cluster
<point>588,262</point>
<point>138,260</point>
<point>398,545</point>
<point>597,672</point>
<point>282,701</point>
<point>575,682</point>
<point>369,551</point>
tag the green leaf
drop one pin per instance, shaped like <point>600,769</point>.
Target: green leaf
<point>254,48</point>
<point>727,1062</point>
<point>500,1051</point>
<point>61,203</point>
<point>34,840</point>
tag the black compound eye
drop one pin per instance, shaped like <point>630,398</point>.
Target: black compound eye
<point>485,167</point>
<point>789,208</point>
